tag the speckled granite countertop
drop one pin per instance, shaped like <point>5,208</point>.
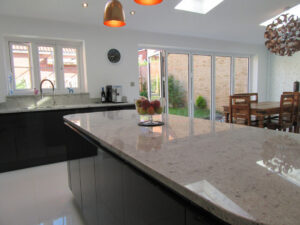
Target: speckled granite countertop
<point>60,107</point>
<point>243,175</point>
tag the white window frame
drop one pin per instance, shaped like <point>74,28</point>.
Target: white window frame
<point>58,45</point>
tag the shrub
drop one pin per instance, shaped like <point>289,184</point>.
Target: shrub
<point>176,93</point>
<point>201,102</point>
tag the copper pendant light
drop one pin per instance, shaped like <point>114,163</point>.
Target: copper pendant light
<point>148,2</point>
<point>114,14</point>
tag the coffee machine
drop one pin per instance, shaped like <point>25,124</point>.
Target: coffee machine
<point>117,93</point>
<point>113,93</point>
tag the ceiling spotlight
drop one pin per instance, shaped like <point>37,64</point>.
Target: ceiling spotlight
<point>114,14</point>
<point>148,2</point>
<point>132,12</point>
<point>85,4</point>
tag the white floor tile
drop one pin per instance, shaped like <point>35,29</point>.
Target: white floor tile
<point>37,196</point>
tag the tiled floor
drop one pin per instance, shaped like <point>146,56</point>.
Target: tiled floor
<point>37,196</point>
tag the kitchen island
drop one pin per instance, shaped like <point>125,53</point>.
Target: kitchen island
<point>189,171</point>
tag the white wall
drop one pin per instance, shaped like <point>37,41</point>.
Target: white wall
<point>99,40</point>
<point>284,72</point>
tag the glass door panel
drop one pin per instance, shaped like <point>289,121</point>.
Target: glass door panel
<point>178,73</point>
<point>241,75</point>
<point>154,70</point>
<point>202,86</point>
<point>222,88</point>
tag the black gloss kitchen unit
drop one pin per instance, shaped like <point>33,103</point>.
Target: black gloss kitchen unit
<point>33,138</point>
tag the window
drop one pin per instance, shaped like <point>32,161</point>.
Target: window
<point>70,67</point>
<point>34,60</point>
<point>21,64</point>
<point>47,67</point>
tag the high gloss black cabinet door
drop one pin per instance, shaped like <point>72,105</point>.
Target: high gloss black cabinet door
<point>7,146</point>
<point>147,204</point>
<point>88,190</point>
<point>109,187</point>
<point>201,217</point>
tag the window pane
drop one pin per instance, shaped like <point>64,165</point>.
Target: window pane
<point>202,85</point>
<point>46,60</point>
<point>21,66</point>
<point>241,75</point>
<point>178,71</point>
<point>70,67</point>
<point>223,68</point>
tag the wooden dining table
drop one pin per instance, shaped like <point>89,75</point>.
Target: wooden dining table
<point>261,110</point>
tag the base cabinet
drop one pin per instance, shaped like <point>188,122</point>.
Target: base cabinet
<point>196,216</point>
<point>109,188</point>
<point>146,203</point>
<point>37,138</point>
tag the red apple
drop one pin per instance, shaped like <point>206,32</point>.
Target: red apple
<point>156,104</point>
<point>150,110</point>
<point>145,104</point>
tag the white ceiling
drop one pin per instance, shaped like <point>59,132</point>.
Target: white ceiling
<point>236,20</point>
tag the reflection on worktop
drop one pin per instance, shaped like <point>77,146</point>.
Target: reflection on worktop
<point>279,157</point>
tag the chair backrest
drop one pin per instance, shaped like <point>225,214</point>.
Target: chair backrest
<point>240,107</point>
<point>287,108</point>
<point>253,96</point>
<point>296,105</point>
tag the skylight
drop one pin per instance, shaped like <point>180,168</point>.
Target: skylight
<point>292,11</point>
<point>198,6</point>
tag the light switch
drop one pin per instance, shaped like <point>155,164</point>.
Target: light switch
<point>132,84</point>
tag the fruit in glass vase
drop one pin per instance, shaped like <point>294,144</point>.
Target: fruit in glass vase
<point>156,104</point>
<point>159,110</point>
<point>138,103</point>
<point>145,104</point>
<point>150,110</point>
<point>141,111</point>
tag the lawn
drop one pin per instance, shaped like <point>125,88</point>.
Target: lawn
<point>199,113</point>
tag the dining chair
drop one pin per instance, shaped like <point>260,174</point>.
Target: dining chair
<point>286,114</point>
<point>296,110</point>
<point>240,110</point>
<point>253,96</point>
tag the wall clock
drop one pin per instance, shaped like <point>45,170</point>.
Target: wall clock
<point>113,55</point>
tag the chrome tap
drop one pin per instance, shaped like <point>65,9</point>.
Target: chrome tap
<point>41,88</point>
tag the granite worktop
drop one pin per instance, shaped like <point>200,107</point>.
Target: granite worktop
<point>243,175</point>
<point>59,107</point>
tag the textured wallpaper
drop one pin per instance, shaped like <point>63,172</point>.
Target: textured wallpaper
<point>284,71</point>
